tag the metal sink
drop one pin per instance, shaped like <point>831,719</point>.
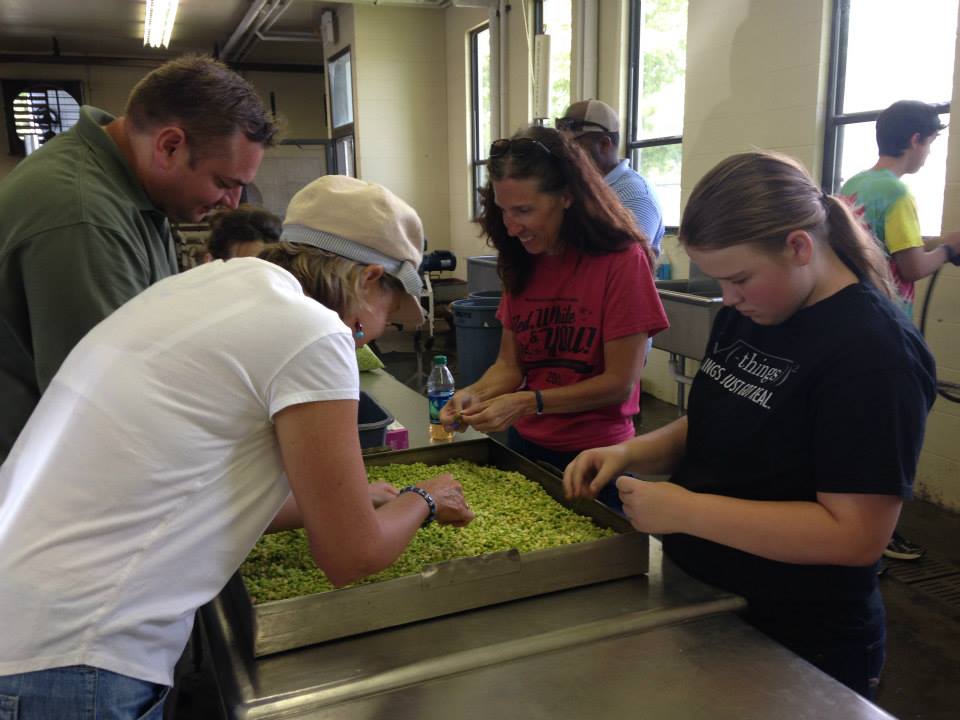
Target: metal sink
<point>691,306</point>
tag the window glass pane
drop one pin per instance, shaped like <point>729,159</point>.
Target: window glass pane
<point>557,21</point>
<point>899,50</point>
<point>341,89</point>
<point>344,149</point>
<point>859,145</point>
<point>479,180</point>
<point>482,102</point>
<point>480,107</point>
<point>661,167</point>
<point>481,175</point>
<point>661,67</point>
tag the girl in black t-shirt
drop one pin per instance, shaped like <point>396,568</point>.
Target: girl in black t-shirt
<point>805,421</point>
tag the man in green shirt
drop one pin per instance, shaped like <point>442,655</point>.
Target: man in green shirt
<point>85,220</point>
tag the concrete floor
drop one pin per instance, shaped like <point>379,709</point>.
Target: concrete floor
<point>921,680</point>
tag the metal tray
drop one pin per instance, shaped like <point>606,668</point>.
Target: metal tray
<point>447,587</point>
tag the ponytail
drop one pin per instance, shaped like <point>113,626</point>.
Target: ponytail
<point>760,197</point>
<point>856,247</point>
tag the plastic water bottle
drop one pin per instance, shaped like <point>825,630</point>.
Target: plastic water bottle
<point>440,388</point>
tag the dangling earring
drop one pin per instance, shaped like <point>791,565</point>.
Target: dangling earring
<point>358,332</point>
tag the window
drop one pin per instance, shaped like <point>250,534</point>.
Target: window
<point>341,113</point>
<point>658,62</point>
<point>341,90</point>
<point>865,79</point>
<point>480,110</point>
<point>344,157</point>
<point>555,18</point>
<point>38,111</point>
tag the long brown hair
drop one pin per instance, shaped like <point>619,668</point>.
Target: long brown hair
<point>596,223</point>
<point>760,197</point>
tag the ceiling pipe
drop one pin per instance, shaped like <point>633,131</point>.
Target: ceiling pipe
<point>263,24</point>
<point>288,37</point>
<point>252,14</point>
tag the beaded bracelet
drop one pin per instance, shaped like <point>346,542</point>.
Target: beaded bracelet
<point>431,503</point>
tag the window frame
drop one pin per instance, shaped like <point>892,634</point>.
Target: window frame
<point>478,155</point>
<point>633,97</point>
<point>835,120</point>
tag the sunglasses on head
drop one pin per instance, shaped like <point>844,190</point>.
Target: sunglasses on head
<point>517,146</point>
<point>571,125</point>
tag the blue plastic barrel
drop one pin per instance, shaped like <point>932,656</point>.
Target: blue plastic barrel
<point>478,337</point>
<point>486,297</point>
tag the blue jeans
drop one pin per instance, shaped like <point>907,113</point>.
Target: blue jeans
<point>609,496</point>
<point>79,692</point>
<point>846,642</point>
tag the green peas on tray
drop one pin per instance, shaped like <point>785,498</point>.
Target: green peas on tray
<point>511,512</point>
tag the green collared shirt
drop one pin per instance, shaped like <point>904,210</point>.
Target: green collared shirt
<point>78,238</point>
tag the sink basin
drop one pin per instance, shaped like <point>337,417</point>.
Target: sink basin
<point>704,287</point>
<point>691,307</point>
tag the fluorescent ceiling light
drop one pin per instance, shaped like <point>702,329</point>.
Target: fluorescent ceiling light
<point>158,23</point>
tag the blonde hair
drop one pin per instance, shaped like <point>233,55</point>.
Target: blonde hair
<point>330,279</point>
<point>760,197</point>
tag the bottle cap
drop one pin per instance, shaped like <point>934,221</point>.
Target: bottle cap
<point>439,359</point>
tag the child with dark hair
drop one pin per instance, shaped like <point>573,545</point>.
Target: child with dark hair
<point>242,232</point>
<point>905,131</point>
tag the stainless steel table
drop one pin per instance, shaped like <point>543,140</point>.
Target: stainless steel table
<point>407,406</point>
<point>655,646</point>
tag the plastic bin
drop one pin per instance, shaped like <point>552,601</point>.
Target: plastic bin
<point>372,421</point>
<point>486,297</point>
<point>478,337</point>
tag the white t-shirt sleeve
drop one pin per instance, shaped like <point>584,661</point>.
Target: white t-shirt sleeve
<point>326,369</point>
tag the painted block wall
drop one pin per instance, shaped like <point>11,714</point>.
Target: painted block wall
<point>938,478</point>
<point>756,76</point>
<point>401,100</point>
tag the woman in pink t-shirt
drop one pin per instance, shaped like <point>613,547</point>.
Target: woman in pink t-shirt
<point>579,304</point>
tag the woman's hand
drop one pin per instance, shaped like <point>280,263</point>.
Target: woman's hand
<point>381,493</point>
<point>591,470</point>
<point>655,507</point>
<point>451,415</point>
<point>500,412</point>
<point>447,493</point>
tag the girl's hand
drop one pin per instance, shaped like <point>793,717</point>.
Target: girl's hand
<point>591,470</point>
<point>655,507</point>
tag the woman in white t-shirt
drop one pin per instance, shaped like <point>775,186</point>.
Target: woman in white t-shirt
<point>215,405</point>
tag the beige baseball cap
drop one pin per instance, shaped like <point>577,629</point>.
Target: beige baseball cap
<point>588,116</point>
<point>366,223</point>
